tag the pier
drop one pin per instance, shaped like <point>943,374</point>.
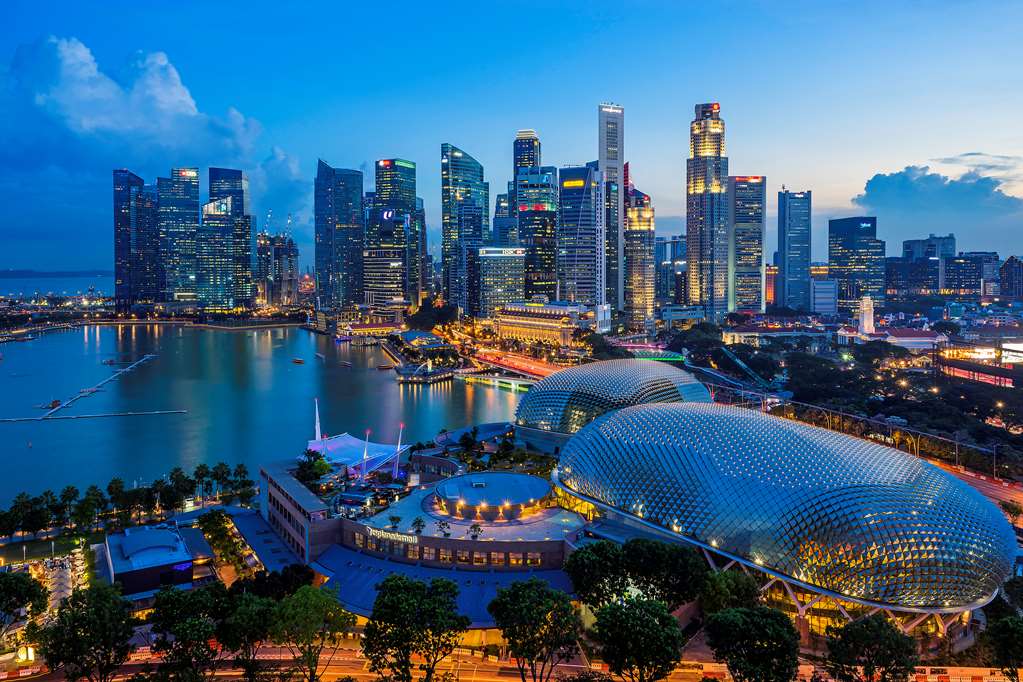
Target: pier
<point>89,391</point>
<point>91,416</point>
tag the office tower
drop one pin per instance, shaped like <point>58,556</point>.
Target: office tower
<point>970,275</point>
<point>988,263</point>
<point>284,273</point>
<point>178,210</point>
<point>824,296</point>
<point>462,185</point>
<point>770,282</point>
<point>536,197</point>
<point>856,261</point>
<point>931,247</point>
<point>264,267</point>
<point>581,235</point>
<point>393,263</point>
<point>1011,278</point>
<point>664,279</point>
<point>229,183</point>
<point>793,284</point>
<point>214,255</point>
<point>747,201</point>
<point>127,187</point>
<point>420,272</point>
<point>525,150</point>
<point>146,270</point>
<point>466,275</point>
<point>707,212</point>
<point>908,277</point>
<point>504,229</point>
<point>340,230</point>
<point>611,159</point>
<point>640,265</point>
<point>502,275</point>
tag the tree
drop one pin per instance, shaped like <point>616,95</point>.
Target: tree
<point>946,327</point>
<point>221,475</point>
<point>19,592</point>
<point>666,572</point>
<point>394,520</point>
<point>308,623</point>
<point>201,476</point>
<point>244,630</point>
<point>639,639</point>
<point>1012,509</point>
<point>185,625</point>
<point>475,531</point>
<point>1006,637</point>
<point>728,590</point>
<point>411,617</point>
<point>418,525</point>
<point>37,516</point>
<point>1012,590</point>
<point>90,637</point>
<point>312,467</point>
<point>869,649</point>
<point>444,528</point>
<point>598,573</point>
<point>540,625</point>
<point>757,644</point>
<point>275,585</point>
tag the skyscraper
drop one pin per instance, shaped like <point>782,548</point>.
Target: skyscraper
<point>462,186</point>
<point>178,198</point>
<point>147,270</point>
<point>611,159</point>
<point>214,255</point>
<point>228,183</point>
<point>393,260</point>
<point>284,273</point>
<point>525,150</point>
<point>502,275</point>
<point>261,274</point>
<point>792,285</point>
<point>581,235</point>
<point>127,187</point>
<point>536,197</point>
<point>640,265</point>
<point>747,201</point>
<point>340,227</point>
<point>931,247</point>
<point>466,276</point>
<point>1011,278</point>
<point>504,229</point>
<point>707,212</point>
<point>856,261</point>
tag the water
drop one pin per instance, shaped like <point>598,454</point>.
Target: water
<point>246,401</point>
<point>64,286</point>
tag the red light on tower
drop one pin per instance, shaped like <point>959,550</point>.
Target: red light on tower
<point>715,106</point>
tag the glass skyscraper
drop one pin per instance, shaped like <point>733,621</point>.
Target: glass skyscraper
<point>640,264</point>
<point>536,206</point>
<point>340,226</point>
<point>611,160</point>
<point>707,212</point>
<point>792,283</point>
<point>505,230</point>
<point>393,258</point>
<point>502,275</point>
<point>856,261</point>
<point>228,183</point>
<point>581,235</point>
<point>462,187</point>
<point>127,187</point>
<point>214,255</point>
<point>747,202</point>
<point>179,225</point>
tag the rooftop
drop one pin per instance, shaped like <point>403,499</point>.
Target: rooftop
<point>145,547</point>
<point>494,488</point>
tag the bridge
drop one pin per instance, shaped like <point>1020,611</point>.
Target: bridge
<point>517,385</point>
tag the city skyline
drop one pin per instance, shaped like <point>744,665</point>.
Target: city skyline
<point>877,115</point>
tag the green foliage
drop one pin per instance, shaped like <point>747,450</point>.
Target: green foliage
<point>1013,591</point>
<point>218,528</point>
<point>598,573</point>
<point>431,313</point>
<point>409,618</point>
<point>275,585</point>
<point>90,636</point>
<point>873,353</point>
<point>310,622</point>
<point>311,468</point>
<point>1006,638</point>
<point>184,625</point>
<point>757,644</point>
<point>19,591</point>
<point>417,525</point>
<point>700,340</point>
<point>600,349</point>
<point>539,624</point>
<point>1012,509</point>
<point>728,590</point>
<point>639,639</point>
<point>664,571</point>
<point>870,649</point>
<point>946,327</point>
<point>244,630</point>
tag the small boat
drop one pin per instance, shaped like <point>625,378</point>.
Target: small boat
<point>345,363</point>
<point>321,356</point>
<point>385,366</point>
<point>54,403</point>
<point>298,361</point>
<point>108,362</point>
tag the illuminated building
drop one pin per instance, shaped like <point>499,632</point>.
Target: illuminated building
<point>525,154</point>
<point>747,201</point>
<point>462,187</point>
<point>856,261</point>
<point>394,254</point>
<point>836,527</point>
<point>137,272</point>
<point>504,228</point>
<point>931,247</point>
<point>824,296</point>
<point>127,187</point>
<point>581,235</point>
<point>794,238</point>
<point>1011,278</point>
<point>229,183</point>
<point>536,197</point>
<point>283,278</point>
<point>962,276</point>
<point>178,213</point>
<point>340,226</point>
<point>610,163</point>
<point>466,279</point>
<point>770,283</point>
<point>707,212</point>
<point>215,264</point>
<point>905,277</point>
<point>988,262</point>
<point>554,323</point>
<point>819,271</point>
<point>641,268</point>
<point>502,275</point>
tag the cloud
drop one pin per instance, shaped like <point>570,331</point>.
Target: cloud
<point>65,122</point>
<point>975,207</point>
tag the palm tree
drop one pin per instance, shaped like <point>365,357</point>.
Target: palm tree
<point>395,520</point>
<point>201,475</point>
<point>444,528</point>
<point>418,525</point>
<point>221,474</point>
<point>475,531</point>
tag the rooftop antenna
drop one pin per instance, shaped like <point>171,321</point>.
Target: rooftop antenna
<point>316,402</point>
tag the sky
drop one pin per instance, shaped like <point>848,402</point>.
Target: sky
<point>909,111</point>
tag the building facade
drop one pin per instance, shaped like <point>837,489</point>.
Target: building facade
<point>178,211</point>
<point>641,266</point>
<point>581,235</point>
<point>229,183</point>
<point>611,164</point>
<point>794,239</point>
<point>931,247</point>
<point>747,204</point>
<point>707,212</point>
<point>462,187</point>
<point>856,261</point>
<point>214,256</point>
<point>1011,278</point>
<point>394,255</point>
<point>502,278</point>
<point>536,210</point>
<point>340,226</point>
<point>127,188</point>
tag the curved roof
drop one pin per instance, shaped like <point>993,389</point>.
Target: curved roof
<point>570,399</point>
<point>151,538</point>
<point>494,488</point>
<point>829,511</point>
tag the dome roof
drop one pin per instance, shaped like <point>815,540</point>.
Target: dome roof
<point>568,400</point>
<point>823,509</point>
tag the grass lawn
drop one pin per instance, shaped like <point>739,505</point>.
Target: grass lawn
<point>13,552</point>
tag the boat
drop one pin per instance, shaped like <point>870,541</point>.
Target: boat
<point>341,338</point>
<point>54,404</point>
<point>24,338</point>
<point>345,363</point>
<point>108,362</point>
<point>321,356</point>
<point>298,361</point>
<point>385,366</point>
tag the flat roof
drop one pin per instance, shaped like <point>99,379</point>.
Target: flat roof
<point>270,549</point>
<point>494,488</point>
<point>279,472</point>
<point>358,575</point>
<point>143,547</point>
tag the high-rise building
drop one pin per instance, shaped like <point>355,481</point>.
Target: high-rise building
<point>263,268</point>
<point>931,247</point>
<point>147,270</point>
<point>611,160</point>
<point>502,275</point>
<point>214,255</point>
<point>178,210</point>
<point>824,296</point>
<point>284,273</point>
<point>1011,278</point>
<point>394,256</point>
<point>466,277</point>
<point>989,262</point>
<point>525,150</point>
<point>856,261</point>
<point>536,197</point>
<point>340,227</point>
<point>640,265</point>
<point>793,283</point>
<point>707,212</point>
<point>970,275</point>
<point>770,283</point>
<point>747,202</point>
<point>504,229</point>
<point>581,235</point>
<point>127,187</point>
<point>228,183</point>
<point>462,187</point>
<point>906,277</point>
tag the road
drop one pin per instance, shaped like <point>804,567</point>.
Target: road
<point>537,369</point>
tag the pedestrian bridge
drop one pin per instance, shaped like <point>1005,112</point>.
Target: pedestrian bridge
<point>518,385</point>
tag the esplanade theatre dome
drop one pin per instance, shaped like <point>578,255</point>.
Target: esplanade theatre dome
<point>819,510</point>
<point>570,399</point>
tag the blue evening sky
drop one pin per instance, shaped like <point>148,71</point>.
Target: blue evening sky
<point>923,100</point>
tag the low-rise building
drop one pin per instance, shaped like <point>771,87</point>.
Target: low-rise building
<point>553,322</point>
<point>145,559</point>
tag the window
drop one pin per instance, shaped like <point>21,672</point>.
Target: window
<point>412,552</point>
<point>497,558</point>
<point>533,558</point>
<point>479,558</point>
<point>514,558</point>
<point>360,540</point>
<point>429,554</point>
<point>463,556</point>
<point>371,543</point>
<point>445,555</point>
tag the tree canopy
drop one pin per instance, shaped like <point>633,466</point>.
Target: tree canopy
<point>19,591</point>
<point>639,639</point>
<point>757,644</point>
<point>1006,638</point>
<point>728,590</point>
<point>598,572</point>
<point>310,622</point>
<point>667,572</point>
<point>870,649</point>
